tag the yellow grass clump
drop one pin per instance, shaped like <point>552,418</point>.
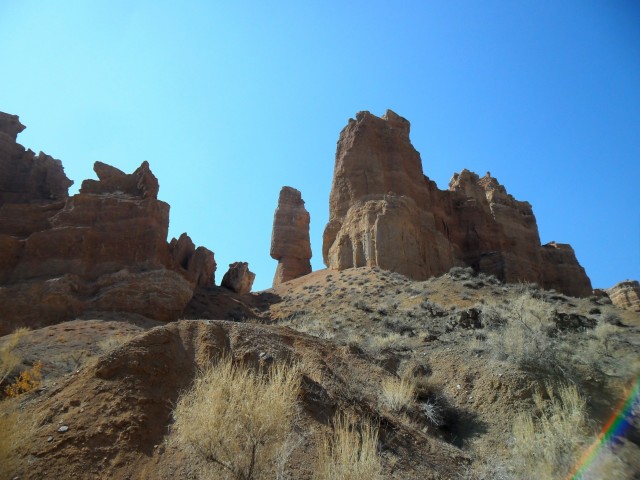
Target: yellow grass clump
<point>349,452</point>
<point>237,419</point>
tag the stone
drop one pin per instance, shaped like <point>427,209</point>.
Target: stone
<point>238,278</point>
<point>290,243</point>
<point>626,295</point>
<point>383,211</point>
<point>199,262</point>
<point>103,249</point>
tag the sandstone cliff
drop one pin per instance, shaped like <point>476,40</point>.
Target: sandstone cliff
<point>385,212</point>
<point>626,295</point>
<point>290,243</point>
<point>102,249</point>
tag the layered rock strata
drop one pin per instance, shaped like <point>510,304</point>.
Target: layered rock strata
<point>626,295</point>
<point>383,211</point>
<point>290,243</point>
<point>238,278</point>
<point>103,249</point>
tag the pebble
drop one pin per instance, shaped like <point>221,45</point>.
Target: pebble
<point>63,428</point>
<point>50,439</point>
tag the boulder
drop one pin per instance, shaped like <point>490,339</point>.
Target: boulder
<point>238,278</point>
<point>199,262</point>
<point>383,211</point>
<point>290,243</point>
<point>626,295</point>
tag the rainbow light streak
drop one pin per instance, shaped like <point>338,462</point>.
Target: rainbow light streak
<point>616,427</point>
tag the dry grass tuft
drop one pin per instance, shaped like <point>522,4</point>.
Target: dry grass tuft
<point>8,359</point>
<point>548,441</point>
<point>238,420</point>
<point>397,394</point>
<point>350,452</point>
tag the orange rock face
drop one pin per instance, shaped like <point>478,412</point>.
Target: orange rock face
<point>383,211</point>
<point>102,249</point>
<point>290,243</point>
<point>238,278</point>
<point>626,295</point>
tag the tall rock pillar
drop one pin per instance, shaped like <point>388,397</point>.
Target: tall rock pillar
<point>290,243</point>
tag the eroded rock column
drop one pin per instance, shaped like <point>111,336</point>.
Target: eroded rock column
<point>290,243</point>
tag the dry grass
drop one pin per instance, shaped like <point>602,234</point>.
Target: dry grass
<point>397,394</point>
<point>521,334</point>
<point>350,452</point>
<point>238,420</point>
<point>114,341</point>
<point>8,359</point>
<point>549,440</point>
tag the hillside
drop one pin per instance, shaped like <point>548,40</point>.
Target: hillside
<point>113,381</point>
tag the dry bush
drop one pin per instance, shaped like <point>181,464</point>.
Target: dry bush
<point>8,359</point>
<point>27,381</point>
<point>16,432</point>
<point>238,420</point>
<point>397,394</point>
<point>549,440</point>
<point>524,336</point>
<point>350,452</point>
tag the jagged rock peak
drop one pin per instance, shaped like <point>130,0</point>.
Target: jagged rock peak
<point>290,243</point>
<point>383,211</point>
<point>10,125</point>
<point>141,183</point>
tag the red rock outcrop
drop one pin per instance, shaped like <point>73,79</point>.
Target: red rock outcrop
<point>290,243</point>
<point>238,278</point>
<point>199,262</point>
<point>102,249</point>
<point>626,295</point>
<point>384,211</point>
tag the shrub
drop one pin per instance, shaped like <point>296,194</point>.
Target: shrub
<point>26,382</point>
<point>547,443</point>
<point>397,393</point>
<point>524,337</point>
<point>238,420</point>
<point>350,452</point>
<point>8,359</point>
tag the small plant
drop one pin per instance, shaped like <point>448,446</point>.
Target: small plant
<point>548,442</point>
<point>350,452</point>
<point>397,393</point>
<point>433,411</point>
<point>238,420</point>
<point>26,382</point>
<point>8,359</point>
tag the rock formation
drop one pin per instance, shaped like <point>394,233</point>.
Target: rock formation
<point>383,211</point>
<point>290,243</point>
<point>626,295</point>
<point>102,249</point>
<point>238,278</point>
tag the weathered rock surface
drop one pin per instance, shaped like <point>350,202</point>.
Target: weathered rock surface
<point>383,211</point>
<point>104,249</point>
<point>238,278</point>
<point>626,295</point>
<point>199,262</point>
<point>290,243</point>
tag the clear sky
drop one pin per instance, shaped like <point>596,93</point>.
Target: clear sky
<point>231,100</point>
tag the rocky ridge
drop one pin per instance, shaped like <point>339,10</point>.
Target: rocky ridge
<point>385,212</point>
<point>104,249</point>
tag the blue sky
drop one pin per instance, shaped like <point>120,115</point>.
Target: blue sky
<point>231,100</point>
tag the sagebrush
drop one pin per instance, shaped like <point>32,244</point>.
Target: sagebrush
<point>237,419</point>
